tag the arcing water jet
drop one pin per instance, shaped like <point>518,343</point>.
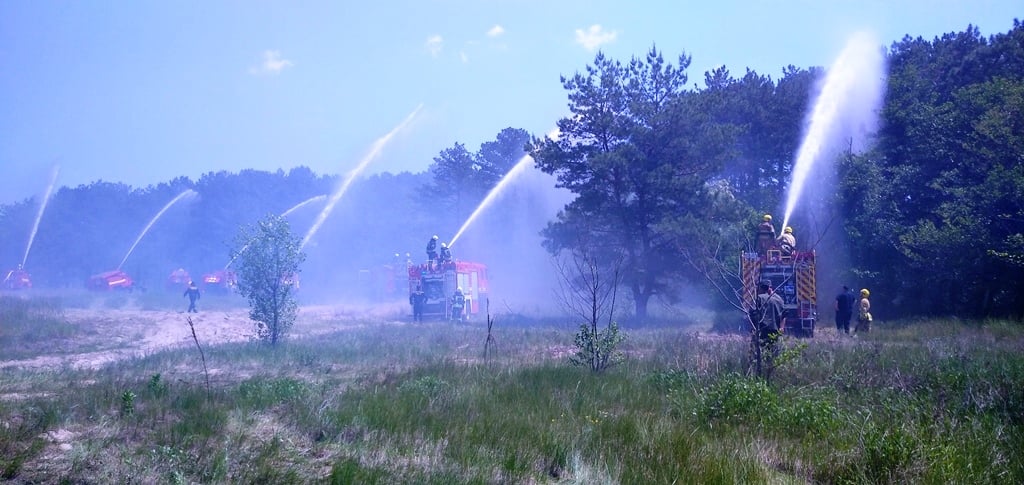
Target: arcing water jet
<point>512,174</point>
<point>303,204</point>
<point>39,215</point>
<point>283,214</point>
<point>378,146</point>
<point>180,196</point>
<point>851,93</point>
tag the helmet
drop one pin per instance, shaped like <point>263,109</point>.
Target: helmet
<point>767,218</point>
<point>444,245</point>
<point>458,290</point>
<point>435,237</point>
<point>788,230</point>
<point>865,293</point>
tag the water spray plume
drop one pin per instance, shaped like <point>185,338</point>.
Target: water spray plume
<point>512,174</point>
<point>303,204</point>
<point>152,221</point>
<point>375,150</point>
<point>283,214</point>
<point>852,90</point>
<point>39,215</point>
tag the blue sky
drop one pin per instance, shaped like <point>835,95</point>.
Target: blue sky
<point>143,91</point>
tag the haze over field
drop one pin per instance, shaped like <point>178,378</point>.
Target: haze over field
<point>142,93</point>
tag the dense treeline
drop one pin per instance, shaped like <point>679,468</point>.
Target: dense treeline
<point>668,175</point>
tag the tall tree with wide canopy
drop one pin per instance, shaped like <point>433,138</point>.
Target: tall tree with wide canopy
<point>637,154</point>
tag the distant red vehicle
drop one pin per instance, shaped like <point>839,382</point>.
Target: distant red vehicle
<point>220,279</point>
<point>111,280</point>
<point>17,279</point>
<point>178,278</point>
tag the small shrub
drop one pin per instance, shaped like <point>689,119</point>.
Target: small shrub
<point>598,349</point>
<point>737,397</point>
<point>127,403</point>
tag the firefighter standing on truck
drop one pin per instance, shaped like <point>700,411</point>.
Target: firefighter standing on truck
<point>446,253</point>
<point>432,249</point>
<point>765,234</point>
<point>787,241</point>
<point>766,328</point>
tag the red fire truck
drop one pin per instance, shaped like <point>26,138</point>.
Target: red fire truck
<point>17,279</point>
<point>793,278</point>
<point>439,282</point>
<point>110,280</point>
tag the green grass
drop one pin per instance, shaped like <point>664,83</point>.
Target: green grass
<point>912,402</point>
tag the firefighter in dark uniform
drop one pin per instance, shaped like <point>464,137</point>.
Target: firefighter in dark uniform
<point>458,304</point>
<point>432,249</point>
<point>765,234</point>
<point>192,292</point>
<point>766,321</point>
<point>446,253</point>
<point>417,299</point>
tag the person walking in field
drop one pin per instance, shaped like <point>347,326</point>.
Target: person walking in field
<point>192,292</point>
<point>864,312</point>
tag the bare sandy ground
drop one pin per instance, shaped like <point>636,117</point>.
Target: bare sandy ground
<point>107,335</point>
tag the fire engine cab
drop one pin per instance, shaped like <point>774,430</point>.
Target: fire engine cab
<point>439,282</point>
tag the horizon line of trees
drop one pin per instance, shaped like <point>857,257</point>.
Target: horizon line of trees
<point>932,214</point>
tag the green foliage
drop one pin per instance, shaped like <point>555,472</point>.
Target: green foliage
<point>598,349</point>
<point>128,403</point>
<point>636,152</point>
<point>737,398</point>
<point>933,402</point>
<point>941,196</point>
<point>268,256</point>
<point>350,471</point>
<point>31,323</point>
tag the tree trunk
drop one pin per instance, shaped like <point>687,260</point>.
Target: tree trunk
<point>640,299</point>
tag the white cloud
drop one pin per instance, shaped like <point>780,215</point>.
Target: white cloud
<point>434,44</point>
<point>594,37</point>
<point>495,31</point>
<point>272,63</point>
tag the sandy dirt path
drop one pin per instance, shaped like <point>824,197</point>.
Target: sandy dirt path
<point>107,335</point>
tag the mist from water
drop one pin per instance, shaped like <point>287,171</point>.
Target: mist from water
<point>152,221</point>
<point>846,110</point>
<point>283,214</point>
<point>39,215</point>
<point>498,189</point>
<point>375,151</point>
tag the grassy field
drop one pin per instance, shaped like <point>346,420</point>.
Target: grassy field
<point>912,402</point>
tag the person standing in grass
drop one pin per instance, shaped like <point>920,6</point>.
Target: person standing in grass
<point>844,310</point>
<point>864,312</point>
<point>192,292</point>
<point>766,324</point>
<point>417,299</point>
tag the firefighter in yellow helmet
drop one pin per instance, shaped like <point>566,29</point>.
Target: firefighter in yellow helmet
<point>864,312</point>
<point>787,241</point>
<point>765,234</point>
